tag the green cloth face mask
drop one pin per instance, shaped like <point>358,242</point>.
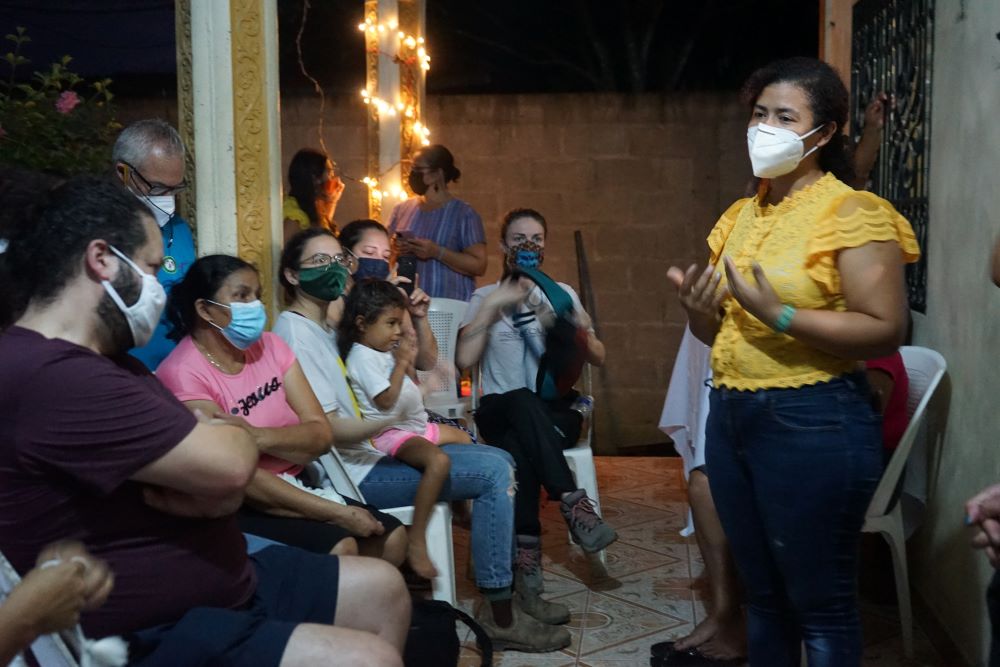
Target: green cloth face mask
<point>325,283</point>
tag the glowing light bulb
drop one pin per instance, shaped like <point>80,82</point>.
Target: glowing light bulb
<point>362,26</point>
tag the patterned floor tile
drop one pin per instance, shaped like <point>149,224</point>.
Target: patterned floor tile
<point>652,587</point>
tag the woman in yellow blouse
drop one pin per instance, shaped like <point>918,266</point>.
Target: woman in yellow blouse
<point>314,188</point>
<point>810,282</point>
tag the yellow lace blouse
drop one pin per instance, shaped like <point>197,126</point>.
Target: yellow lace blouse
<point>292,211</point>
<point>796,242</point>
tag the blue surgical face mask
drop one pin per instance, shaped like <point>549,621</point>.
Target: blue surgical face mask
<point>370,267</point>
<point>246,324</point>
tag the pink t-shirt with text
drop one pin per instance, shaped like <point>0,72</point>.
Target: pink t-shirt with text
<point>257,393</point>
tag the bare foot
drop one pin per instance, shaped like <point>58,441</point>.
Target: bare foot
<point>721,639</point>
<point>416,554</point>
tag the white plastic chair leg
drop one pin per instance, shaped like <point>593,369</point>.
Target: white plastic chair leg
<point>893,534</point>
<point>581,463</point>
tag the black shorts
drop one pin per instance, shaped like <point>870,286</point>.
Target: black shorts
<point>293,587</point>
<point>315,536</point>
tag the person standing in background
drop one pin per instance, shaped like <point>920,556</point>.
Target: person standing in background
<point>443,232</point>
<point>148,157</point>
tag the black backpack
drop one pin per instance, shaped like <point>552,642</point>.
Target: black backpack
<point>433,638</point>
<point>560,366</point>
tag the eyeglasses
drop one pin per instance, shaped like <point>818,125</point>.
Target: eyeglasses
<point>322,260</point>
<point>154,189</point>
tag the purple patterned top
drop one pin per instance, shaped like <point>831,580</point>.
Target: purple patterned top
<point>455,226</point>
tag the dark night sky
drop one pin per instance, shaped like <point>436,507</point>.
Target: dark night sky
<point>476,46</point>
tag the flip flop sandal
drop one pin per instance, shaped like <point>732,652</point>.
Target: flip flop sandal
<point>665,655</point>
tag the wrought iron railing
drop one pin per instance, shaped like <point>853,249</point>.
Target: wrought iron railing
<point>892,51</point>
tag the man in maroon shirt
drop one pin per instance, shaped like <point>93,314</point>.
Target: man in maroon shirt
<point>93,448</point>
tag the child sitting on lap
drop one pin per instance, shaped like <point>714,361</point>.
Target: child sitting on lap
<point>379,361</point>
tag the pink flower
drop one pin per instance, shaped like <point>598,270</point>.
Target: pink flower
<point>67,101</point>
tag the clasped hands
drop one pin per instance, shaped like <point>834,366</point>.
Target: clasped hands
<point>701,295</point>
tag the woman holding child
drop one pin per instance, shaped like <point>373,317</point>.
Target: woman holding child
<point>479,473</point>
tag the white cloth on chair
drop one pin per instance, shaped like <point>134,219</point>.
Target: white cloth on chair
<point>685,409</point>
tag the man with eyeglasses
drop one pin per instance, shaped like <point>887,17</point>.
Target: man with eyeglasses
<point>148,157</point>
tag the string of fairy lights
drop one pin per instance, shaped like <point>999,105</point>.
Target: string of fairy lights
<point>414,61</point>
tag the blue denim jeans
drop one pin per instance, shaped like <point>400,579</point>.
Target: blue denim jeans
<point>480,473</point>
<point>792,472</point>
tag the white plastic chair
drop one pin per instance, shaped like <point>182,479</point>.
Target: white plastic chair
<point>439,385</point>
<point>440,548</point>
<point>925,368</point>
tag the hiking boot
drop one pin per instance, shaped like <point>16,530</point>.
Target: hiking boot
<point>528,561</point>
<point>587,529</point>
<point>524,633</point>
<point>528,599</point>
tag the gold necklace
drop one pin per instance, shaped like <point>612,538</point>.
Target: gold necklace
<point>211,359</point>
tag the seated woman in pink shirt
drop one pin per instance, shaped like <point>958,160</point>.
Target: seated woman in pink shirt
<point>228,368</point>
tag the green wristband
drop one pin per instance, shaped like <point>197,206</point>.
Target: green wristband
<point>784,319</point>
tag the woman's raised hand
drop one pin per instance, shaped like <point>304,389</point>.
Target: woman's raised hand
<point>761,301</point>
<point>698,291</point>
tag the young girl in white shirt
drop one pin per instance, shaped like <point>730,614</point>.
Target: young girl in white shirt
<point>379,359</point>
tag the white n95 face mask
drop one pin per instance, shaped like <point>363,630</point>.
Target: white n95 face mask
<point>143,315</point>
<point>161,206</point>
<point>775,151</point>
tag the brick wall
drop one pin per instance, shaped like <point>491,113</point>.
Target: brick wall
<point>643,178</point>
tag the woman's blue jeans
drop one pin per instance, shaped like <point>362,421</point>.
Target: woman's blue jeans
<point>792,472</point>
<point>480,473</point>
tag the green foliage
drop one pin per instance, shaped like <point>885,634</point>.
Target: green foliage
<point>48,124</point>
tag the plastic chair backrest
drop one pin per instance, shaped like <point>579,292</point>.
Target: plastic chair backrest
<point>444,317</point>
<point>924,368</point>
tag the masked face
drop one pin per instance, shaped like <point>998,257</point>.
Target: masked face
<point>143,315</point>
<point>325,283</point>
<point>776,151</point>
<point>416,182</point>
<point>162,207</point>
<point>246,324</point>
<point>370,267</point>
<point>524,255</point>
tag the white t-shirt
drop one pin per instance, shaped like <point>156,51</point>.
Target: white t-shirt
<point>316,350</point>
<point>517,340</point>
<point>369,371</point>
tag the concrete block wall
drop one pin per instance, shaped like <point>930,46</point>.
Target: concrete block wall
<point>643,178</point>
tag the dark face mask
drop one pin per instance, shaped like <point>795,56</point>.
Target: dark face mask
<point>370,267</point>
<point>416,182</point>
<point>325,283</point>
<point>524,255</point>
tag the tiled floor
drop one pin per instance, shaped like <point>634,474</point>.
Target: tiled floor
<point>650,589</point>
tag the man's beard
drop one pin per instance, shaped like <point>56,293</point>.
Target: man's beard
<point>116,335</point>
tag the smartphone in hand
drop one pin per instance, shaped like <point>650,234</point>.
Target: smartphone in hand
<point>406,267</point>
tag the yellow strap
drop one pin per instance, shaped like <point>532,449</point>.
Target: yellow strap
<point>354,399</point>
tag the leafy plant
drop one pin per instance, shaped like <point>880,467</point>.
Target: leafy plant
<point>46,123</point>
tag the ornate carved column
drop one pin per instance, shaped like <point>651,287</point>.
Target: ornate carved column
<point>394,89</point>
<point>234,112</point>
<point>185,107</point>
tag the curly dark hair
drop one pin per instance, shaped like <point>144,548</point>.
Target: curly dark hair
<point>291,257</point>
<point>55,226</point>
<point>368,299</point>
<point>828,101</point>
<point>201,281</point>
